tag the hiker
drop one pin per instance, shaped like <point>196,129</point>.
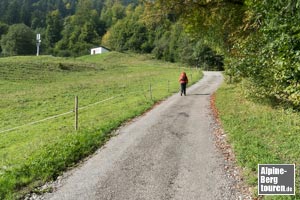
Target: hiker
<point>183,79</point>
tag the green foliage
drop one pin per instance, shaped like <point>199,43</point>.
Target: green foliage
<point>175,45</point>
<point>112,12</point>
<point>80,32</point>
<point>128,34</point>
<point>269,56</point>
<point>3,31</point>
<point>194,26</point>
<point>83,12</point>
<point>3,28</point>
<point>20,40</point>
<point>12,14</point>
<point>71,27</point>
<point>88,34</point>
<point>33,12</point>
<point>209,58</point>
<point>214,22</point>
<point>169,42</point>
<point>54,27</point>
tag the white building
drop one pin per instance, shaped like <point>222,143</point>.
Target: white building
<point>99,50</point>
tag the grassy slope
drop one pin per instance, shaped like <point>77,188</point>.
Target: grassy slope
<point>259,134</point>
<point>34,88</point>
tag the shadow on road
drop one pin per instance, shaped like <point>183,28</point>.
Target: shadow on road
<point>199,94</point>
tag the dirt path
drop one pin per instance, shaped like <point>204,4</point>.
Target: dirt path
<point>169,153</point>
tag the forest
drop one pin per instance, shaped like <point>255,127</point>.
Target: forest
<point>258,41</point>
<point>72,27</point>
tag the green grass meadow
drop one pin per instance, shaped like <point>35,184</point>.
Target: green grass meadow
<point>35,88</point>
<point>259,133</point>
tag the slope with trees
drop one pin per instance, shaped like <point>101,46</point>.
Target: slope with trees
<point>71,28</point>
<point>67,27</point>
<point>258,39</point>
<point>19,40</point>
<point>268,57</point>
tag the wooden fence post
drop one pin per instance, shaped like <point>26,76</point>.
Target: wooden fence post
<point>76,113</point>
<point>150,90</point>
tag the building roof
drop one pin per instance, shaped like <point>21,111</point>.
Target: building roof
<point>102,47</point>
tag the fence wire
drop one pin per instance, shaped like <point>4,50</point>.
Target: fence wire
<point>72,111</point>
<point>157,87</point>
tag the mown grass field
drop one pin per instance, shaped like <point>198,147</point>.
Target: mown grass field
<point>34,88</point>
<point>259,134</point>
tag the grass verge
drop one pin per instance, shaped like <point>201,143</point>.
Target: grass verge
<point>259,134</point>
<point>34,88</point>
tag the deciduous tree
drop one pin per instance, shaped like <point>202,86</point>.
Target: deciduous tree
<point>54,27</point>
<point>20,40</point>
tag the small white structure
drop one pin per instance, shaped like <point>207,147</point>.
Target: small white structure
<point>38,43</point>
<point>99,50</point>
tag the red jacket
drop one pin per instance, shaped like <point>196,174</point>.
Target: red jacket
<point>183,78</point>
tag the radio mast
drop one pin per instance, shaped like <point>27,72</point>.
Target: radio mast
<point>38,43</point>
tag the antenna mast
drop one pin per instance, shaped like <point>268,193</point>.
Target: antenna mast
<point>38,43</point>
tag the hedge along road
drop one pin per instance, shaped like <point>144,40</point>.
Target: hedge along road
<point>168,153</point>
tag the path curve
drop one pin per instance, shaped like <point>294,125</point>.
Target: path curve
<point>168,153</point>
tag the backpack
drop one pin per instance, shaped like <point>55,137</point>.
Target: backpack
<point>183,78</point>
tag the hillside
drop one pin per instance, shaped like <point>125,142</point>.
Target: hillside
<point>86,20</point>
<point>33,13</point>
<point>70,28</point>
<point>37,136</point>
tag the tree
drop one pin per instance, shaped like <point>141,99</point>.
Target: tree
<point>54,27</point>
<point>20,40</point>
<point>3,28</point>
<point>208,58</point>
<point>38,19</point>
<point>80,30</point>
<point>214,20</point>
<point>88,33</point>
<point>3,9</point>
<point>3,31</point>
<point>83,12</point>
<point>112,12</point>
<point>12,13</point>
<point>25,13</point>
<point>128,34</point>
<point>268,56</point>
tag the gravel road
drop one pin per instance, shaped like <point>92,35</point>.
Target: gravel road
<point>168,153</point>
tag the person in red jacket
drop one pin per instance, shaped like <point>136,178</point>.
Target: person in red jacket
<point>183,79</point>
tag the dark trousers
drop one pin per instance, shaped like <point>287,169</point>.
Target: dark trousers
<point>183,88</point>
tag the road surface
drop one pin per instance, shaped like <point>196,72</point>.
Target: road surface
<point>168,153</point>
